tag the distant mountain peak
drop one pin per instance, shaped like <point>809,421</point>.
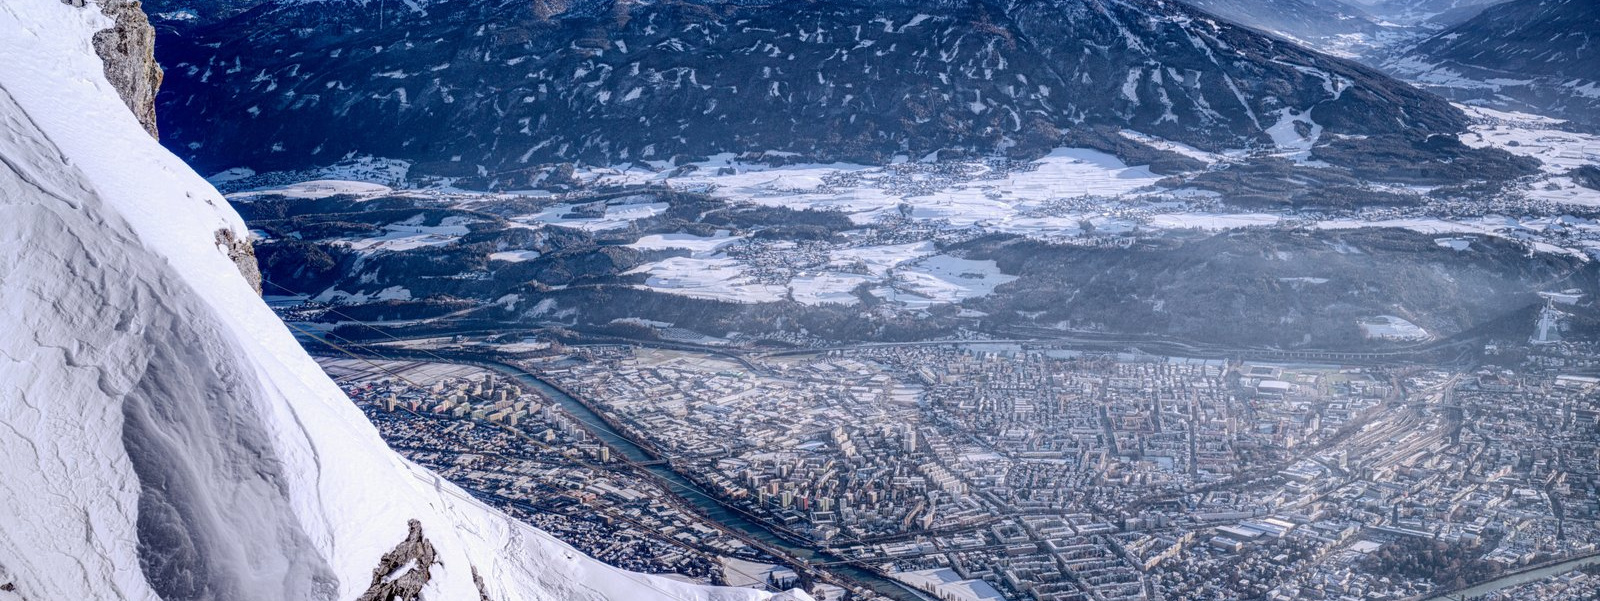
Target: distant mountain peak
<point>1540,56</point>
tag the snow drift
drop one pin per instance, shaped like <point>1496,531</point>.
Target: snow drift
<point>163,434</point>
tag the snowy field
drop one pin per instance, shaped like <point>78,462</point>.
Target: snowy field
<point>1579,237</point>
<point>711,278</point>
<point>826,287</point>
<point>1021,203</point>
<point>943,279</point>
<point>878,260</point>
<point>371,171</point>
<point>514,256</point>
<point>616,214</point>
<point>314,189</point>
<point>698,245</point>
<point>333,295</point>
<point>745,573</point>
<point>1389,327</point>
<point>865,192</point>
<point>1068,196</point>
<point>409,234</point>
<point>912,275</point>
<point>1537,137</point>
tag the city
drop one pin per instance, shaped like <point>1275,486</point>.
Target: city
<point>986,471</point>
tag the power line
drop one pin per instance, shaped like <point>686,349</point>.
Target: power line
<point>643,527</point>
<point>579,419</point>
<point>670,484</point>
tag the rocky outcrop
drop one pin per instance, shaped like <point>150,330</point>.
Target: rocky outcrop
<point>404,570</point>
<point>243,255</point>
<point>128,49</point>
<point>10,588</point>
<point>483,591</point>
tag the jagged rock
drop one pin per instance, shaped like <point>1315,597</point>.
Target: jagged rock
<point>243,254</point>
<point>404,570</point>
<point>7,586</point>
<point>128,49</point>
<point>483,593</point>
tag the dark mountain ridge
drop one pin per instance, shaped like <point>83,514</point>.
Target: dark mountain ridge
<point>1540,56</point>
<point>491,89</point>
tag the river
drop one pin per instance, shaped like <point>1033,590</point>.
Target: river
<point>685,488</point>
<point>701,499</point>
<point>1517,578</point>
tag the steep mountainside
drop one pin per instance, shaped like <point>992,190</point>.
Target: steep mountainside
<point>165,436</point>
<point>472,88</point>
<point>1539,56</point>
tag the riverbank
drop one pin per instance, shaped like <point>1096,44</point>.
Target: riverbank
<point>1523,577</point>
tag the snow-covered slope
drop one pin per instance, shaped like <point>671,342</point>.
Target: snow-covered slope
<point>163,435</point>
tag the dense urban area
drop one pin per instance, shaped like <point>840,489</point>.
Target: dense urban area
<point>986,471</point>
